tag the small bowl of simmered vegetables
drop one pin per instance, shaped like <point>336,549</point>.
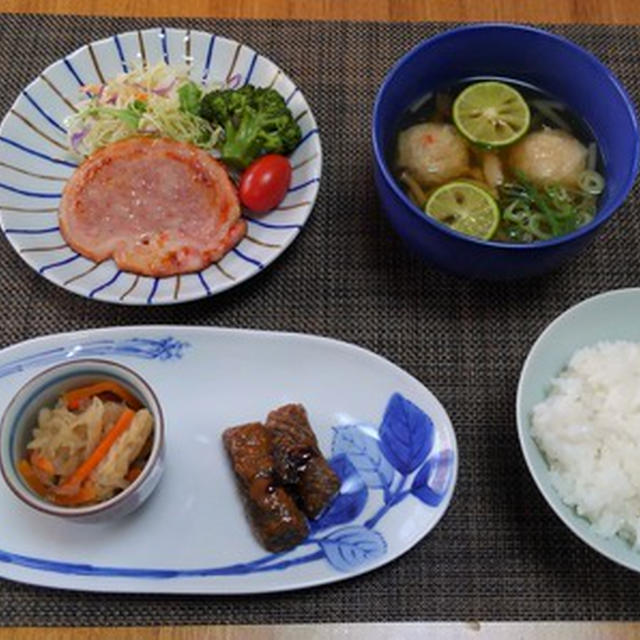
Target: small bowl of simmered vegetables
<point>83,440</point>
<point>500,149</point>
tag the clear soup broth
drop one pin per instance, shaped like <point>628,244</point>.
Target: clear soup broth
<point>499,160</point>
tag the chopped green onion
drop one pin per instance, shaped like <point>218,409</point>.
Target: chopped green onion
<point>557,193</point>
<point>531,213</point>
<point>591,182</point>
<point>536,224</point>
<point>517,211</point>
<point>585,211</point>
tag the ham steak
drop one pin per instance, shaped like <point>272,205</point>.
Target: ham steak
<point>156,206</point>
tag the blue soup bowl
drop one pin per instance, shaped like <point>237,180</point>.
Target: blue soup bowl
<point>547,61</point>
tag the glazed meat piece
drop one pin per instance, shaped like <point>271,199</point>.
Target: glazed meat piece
<point>158,207</point>
<point>275,519</point>
<point>298,460</point>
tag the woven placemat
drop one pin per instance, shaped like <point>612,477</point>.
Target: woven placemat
<point>500,552</point>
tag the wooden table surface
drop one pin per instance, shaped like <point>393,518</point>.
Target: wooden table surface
<point>595,11</point>
<point>565,11</point>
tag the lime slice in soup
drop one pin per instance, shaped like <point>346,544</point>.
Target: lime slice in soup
<point>491,114</point>
<point>465,207</point>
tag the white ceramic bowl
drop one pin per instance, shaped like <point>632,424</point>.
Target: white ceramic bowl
<point>20,418</point>
<point>609,316</point>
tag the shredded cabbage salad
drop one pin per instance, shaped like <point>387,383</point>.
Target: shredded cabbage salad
<point>153,101</point>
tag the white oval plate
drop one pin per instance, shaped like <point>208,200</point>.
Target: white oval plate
<point>387,436</point>
<point>35,165</point>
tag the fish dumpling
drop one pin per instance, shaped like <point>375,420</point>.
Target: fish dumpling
<point>549,156</point>
<point>433,153</point>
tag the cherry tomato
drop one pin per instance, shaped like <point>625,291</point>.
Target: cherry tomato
<point>264,184</point>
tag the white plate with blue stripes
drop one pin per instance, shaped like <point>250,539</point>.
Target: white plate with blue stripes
<point>35,164</point>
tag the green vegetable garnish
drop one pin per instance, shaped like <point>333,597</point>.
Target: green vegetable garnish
<point>255,121</point>
<point>130,116</point>
<point>532,213</point>
<point>591,182</point>
<point>189,95</point>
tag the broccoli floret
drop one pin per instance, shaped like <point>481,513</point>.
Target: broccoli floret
<point>255,121</point>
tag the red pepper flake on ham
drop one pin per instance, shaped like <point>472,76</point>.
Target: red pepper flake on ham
<point>156,206</point>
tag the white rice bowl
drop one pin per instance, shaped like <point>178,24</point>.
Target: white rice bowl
<point>588,429</point>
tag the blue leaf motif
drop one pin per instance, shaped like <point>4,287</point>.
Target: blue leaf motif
<point>350,547</point>
<point>351,500</point>
<point>432,481</point>
<point>360,443</point>
<point>406,434</point>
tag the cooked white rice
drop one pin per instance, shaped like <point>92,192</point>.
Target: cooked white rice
<point>588,428</point>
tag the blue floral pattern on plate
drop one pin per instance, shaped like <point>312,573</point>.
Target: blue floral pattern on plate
<point>168,348</point>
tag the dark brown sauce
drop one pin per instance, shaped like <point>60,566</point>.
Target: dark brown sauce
<point>299,458</point>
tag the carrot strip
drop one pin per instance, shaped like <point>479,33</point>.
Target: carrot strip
<point>31,479</point>
<point>72,484</point>
<point>43,463</point>
<point>133,473</point>
<point>74,397</point>
<point>86,493</point>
